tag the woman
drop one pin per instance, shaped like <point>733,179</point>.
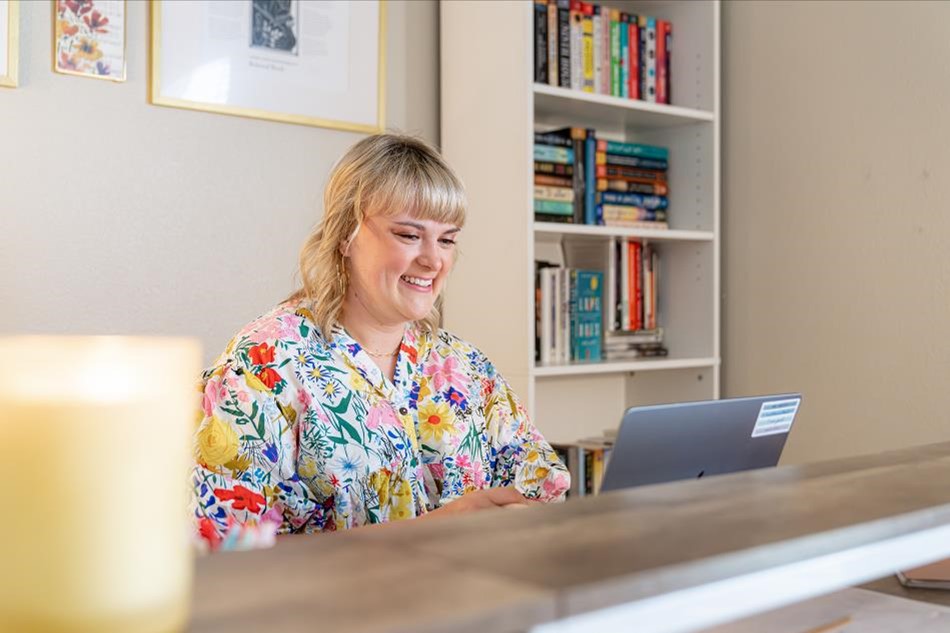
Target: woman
<point>346,404</point>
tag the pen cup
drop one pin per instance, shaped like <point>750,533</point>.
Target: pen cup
<point>94,455</point>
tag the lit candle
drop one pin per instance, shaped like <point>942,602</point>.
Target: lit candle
<point>94,454</point>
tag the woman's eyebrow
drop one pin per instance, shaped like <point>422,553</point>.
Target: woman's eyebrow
<point>421,227</point>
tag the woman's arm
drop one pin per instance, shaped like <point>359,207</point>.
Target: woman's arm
<point>244,479</point>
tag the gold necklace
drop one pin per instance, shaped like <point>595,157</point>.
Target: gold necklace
<point>380,354</point>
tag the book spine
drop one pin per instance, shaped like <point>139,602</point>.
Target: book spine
<point>580,178</point>
<point>598,53</point>
<point>650,60</point>
<point>552,43</point>
<point>577,45</point>
<point>634,38</point>
<point>550,217</point>
<point>590,188</point>
<point>557,181</point>
<point>661,67</point>
<point>625,283</point>
<point>610,306</point>
<point>636,274</point>
<point>655,277</point>
<point>565,330</point>
<point>631,149</point>
<point>557,194</point>
<point>573,310</point>
<point>547,153</point>
<point>587,47</point>
<point>541,41</point>
<point>547,167</point>
<point>668,36</point>
<point>617,171</point>
<point>552,138</point>
<point>547,315</point>
<point>554,207</point>
<point>564,43</point>
<point>632,199</point>
<point>634,161</point>
<point>617,214</point>
<point>605,49</point>
<point>647,288</point>
<point>625,186</point>
<point>624,56</point>
<point>589,292</point>
<point>642,31</point>
<point>615,53</point>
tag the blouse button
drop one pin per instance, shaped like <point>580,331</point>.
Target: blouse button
<point>403,411</point>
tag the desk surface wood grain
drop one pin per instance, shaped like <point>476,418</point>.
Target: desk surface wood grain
<point>508,570</point>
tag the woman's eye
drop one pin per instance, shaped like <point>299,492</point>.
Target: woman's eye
<point>408,236</point>
<point>446,241</point>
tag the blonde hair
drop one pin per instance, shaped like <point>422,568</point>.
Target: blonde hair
<point>383,174</point>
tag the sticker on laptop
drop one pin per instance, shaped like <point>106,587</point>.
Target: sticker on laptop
<point>776,416</point>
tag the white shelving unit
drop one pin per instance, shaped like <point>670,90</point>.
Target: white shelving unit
<point>490,110</point>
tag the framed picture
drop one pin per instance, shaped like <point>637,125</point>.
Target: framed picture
<point>9,44</point>
<point>310,63</point>
<point>89,38</point>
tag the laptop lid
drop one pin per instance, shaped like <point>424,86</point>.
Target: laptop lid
<point>670,442</point>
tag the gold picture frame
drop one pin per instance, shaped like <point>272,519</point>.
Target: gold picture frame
<point>8,76</point>
<point>67,65</point>
<point>156,96</point>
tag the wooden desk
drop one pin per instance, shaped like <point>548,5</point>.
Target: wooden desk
<point>650,552</point>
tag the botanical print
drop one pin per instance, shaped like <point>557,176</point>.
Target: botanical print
<point>306,434</point>
<point>90,38</point>
<point>274,25</point>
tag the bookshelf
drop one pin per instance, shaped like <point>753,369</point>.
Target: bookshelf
<point>490,110</point>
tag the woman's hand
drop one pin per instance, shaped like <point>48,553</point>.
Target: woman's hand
<point>484,499</point>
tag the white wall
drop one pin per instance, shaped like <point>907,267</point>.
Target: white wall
<point>836,214</point>
<point>117,216</point>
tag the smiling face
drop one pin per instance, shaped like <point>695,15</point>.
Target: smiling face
<point>397,267</point>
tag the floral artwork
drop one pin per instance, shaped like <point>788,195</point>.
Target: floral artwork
<point>90,38</point>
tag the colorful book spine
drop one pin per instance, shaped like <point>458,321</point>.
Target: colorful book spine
<point>553,207</point>
<point>649,188</point>
<point>588,314</point>
<point>661,67</point>
<point>598,53</point>
<point>541,41</point>
<point>561,181</point>
<point>632,199</point>
<point>556,138</point>
<point>613,213</point>
<point>631,149</point>
<point>577,46</point>
<point>633,36</point>
<point>619,171</point>
<point>552,43</point>
<point>557,194</point>
<point>648,26</point>
<point>559,169</point>
<point>631,161</point>
<point>587,46</point>
<point>551,154</point>
<point>668,37</point>
<point>615,52</point>
<point>624,56</point>
<point>564,43</point>
<point>590,185</point>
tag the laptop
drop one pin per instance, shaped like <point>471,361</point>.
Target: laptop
<point>689,440</point>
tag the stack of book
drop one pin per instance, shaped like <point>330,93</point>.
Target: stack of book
<point>568,314</point>
<point>586,460</point>
<point>595,48</point>
<point>583,179</point>
<point>631,184</point>
<point>633,293</point>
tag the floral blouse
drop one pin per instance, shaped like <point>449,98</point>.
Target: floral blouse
<point>311,435</point>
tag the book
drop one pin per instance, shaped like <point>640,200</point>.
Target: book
<point>620,171</point>
<point>564,43</point>
<point>551,154</point>
<point>553,181</point>
<point>624,32</point>
<point>615,52</point>
<point>614,214</point>
<point>557,194</point>
<point>662,69</point>
<point>598,53</point>
<point>633,35</point>
<point>587,290</point>
<point>553,207</point>
<point>648,37</point>
<point>552,44</point>
<point>552,217</point>
<point>577,44</point>
<point>560,169</point>
<point>631,186</point>
<point>541,41</point>
<point>552,138</point>
<point>631,161</point>
<point>621,148</point>
<point>587,47</point>
<point>632,199</point>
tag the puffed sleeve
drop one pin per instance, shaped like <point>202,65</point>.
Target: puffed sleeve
<point>244,479</point>
<point>520,454</point>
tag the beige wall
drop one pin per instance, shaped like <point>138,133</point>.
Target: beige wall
<point>119,216</point>
<point>836,212</point>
